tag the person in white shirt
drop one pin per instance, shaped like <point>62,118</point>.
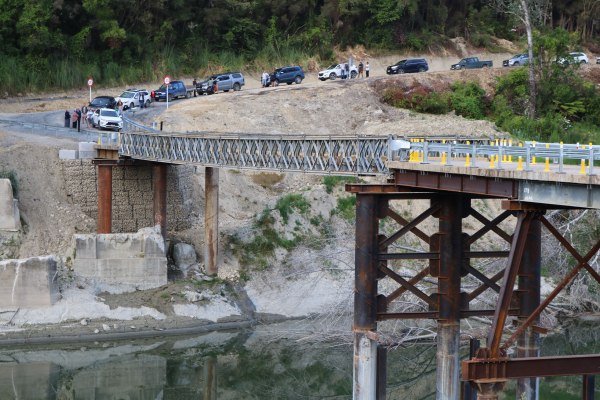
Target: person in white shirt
<point>343,68</point>
<point>367,69</point>
<point>88,117</point>
<point>265,76</point>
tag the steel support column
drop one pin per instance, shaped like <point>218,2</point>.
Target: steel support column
<point>450,264</point>
<point>159,197</point>
<point>365,298</point>
<point>104,199</point>
<point>528,344</point>
<point>211,220</point>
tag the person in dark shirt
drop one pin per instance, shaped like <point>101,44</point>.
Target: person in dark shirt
<point>67,118</point>
<point>195,83</point>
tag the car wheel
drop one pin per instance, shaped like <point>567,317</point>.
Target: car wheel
<point>422,69</point>
<point>298,80</point>
<point>237,87</point>
<point>484,66</point>
<point>332,76</point>
<point>187,95</point>
<point>463,67</point>
<point>517,64</point>
<point>170,97</point>
<point>147,103</point>
<point>289,83</point>
<point>400,71</point>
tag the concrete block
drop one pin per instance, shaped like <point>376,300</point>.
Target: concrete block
<point>85,246</point>
<point>129,260</point>
<point>68,154</point>
<point>28,380</point>
<point>86,155</point>
<point>29,283</point>
<point>9,217</point>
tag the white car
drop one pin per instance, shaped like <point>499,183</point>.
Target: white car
<point>131,98</point>
<point>107,118</point>
<point>597,60</point>
<point>577,58</point>
<point>334,71</point>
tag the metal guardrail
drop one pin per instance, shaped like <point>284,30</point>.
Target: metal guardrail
<point>527,152</point>
<point>45,130</point>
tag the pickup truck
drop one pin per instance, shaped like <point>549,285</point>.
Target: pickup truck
<point>471,62</point>
<point>176,89</point>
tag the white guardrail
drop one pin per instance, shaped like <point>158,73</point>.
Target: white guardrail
<point>84,135</point>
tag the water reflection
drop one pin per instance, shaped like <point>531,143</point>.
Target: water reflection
<point>238,365</point>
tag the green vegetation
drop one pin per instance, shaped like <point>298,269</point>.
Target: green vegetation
<point>47,44</point>
<point>11,175</point>
<point>332,181</point>
<point>285,205</point>
<point>567,106</point>
<point>346,208</point>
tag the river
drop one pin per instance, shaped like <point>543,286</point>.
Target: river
<point>249,364</point>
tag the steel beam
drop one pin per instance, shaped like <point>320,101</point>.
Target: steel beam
<point>528,344</point>
<point>159,197</point>
<point>452,210</point>
<point>409,226</point>
<point>211,220</point>
<point>419,233</point>
<point>489,226</point>
<point>104,199</point>
<point>409,286</point>
<point>588,387</point>
<point>413,281</point>
<point>365,297</point>
<point>485,286</point>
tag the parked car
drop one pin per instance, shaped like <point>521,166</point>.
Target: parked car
<point>516,61</point>
<point>575,58</point>
<point>335,71</point>
<point>272,76</point>
<point>131,98</point>
<point>472,62</point>
<point>597,60</point>
<point>103,102</point>
<point>107,118</point>
<point>287,75</point>
<point>411,65</point>
<point>230,81</point>
<point>176,89</point>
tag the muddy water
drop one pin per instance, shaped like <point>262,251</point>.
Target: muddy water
<point>238,365</point>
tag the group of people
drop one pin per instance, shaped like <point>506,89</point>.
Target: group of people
<point>77,115</point>
<point>361,67</point>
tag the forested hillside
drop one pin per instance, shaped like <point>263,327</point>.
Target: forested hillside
<point>59,43</point>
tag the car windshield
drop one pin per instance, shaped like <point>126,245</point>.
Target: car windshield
<point>401,62</point>
<point>99,102</point>
<point>109,113</point>
<point>334,66</point>
<point>517,56</point>
<point>127,95</point>
<point>278,70</point>
<point>164,87</point>
<point>463,61</point>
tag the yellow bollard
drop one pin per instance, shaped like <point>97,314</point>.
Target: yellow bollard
<point>547,169</point>
<point>99,139</point>
<point>520,167</point>
<point>422,151</point>
<point>443,155</point>
<point>410,158</point>
<point>492,161</point>
<point>582,163</point>
<point>533,158</point>
<point>510,145</point>
<point>467,163</point>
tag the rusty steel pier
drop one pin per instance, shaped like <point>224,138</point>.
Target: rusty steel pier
<point>450,196</point>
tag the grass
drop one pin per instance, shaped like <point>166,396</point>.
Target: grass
<point>332,181</point>
<point>286,204</point>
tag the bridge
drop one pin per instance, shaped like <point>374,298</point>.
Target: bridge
<point>529,178</point>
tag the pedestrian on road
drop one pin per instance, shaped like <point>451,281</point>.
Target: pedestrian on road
<point>67,118</point>
<point>210,89</point>
<point>74,118</point>
<point>360,70</point>
<point>152,96</point>
<point>88,116</point>
<point>216,87</point>
<point>84,109</point>
<point>120,108</point>
<point>264,78</point>
<point>78,112</point>
<point>367,69</point>
<point>142,100</point>
<point>273,75</point>
<point>343,68</point>
<point>195,83</point>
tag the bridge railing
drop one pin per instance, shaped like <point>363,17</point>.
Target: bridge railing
<point>44,130</point>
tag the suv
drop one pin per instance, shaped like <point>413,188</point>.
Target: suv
<point>131,98</point>
<point>103,102</point>
<point>288,75</point>
<point>202,87</point>
<point>106,118</point>
<point>516,61</point>
<point>411,65</point>
<point>233,81</point>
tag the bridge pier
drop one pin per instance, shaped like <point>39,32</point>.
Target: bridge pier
<point>104,199</point>
<point>210,378</point>
<point>211,220</point>
<point>528,343</point>
<point>159,197</point>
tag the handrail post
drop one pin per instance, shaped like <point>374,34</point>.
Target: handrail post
<point>474,155</point>
<point>425,151</point>
<point>591,169</point>
<point>560,159</point>
<point>499,165</point>
<point>527,159</point>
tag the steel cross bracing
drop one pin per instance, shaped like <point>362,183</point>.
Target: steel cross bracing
<point>323,155</point>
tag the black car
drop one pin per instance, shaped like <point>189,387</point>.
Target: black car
<point>104,102</point>
<point>411,65</point>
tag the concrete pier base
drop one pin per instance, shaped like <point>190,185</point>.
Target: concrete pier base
<point>104,199</point>
<point>365,367</point>
<point>159,197</point>
<point>448,384</point>
<point>211,220</point>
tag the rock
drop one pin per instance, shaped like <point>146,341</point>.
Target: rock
<point>184,257</point>
<point>192,296</point>
<point>117,326</point>
<point>207,278</point>
<point>132,327</point>
<point>106,327</point>
<point>96,331</point>
<point>84,322</point>
<point>173,299</point>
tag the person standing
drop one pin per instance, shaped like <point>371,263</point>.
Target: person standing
<point>88,117</point>
<point>343,68</point>
<point>367,69</point>
<point>195,83</point>
<point>78,113</point>
<point>120,108</point>
<point>153,96</point>
<point>74,118</point>
<point>216,88</point>
<point>264,78</point>
<point>360,70</point>
<point>67,118</point>
<point>142,100</point>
